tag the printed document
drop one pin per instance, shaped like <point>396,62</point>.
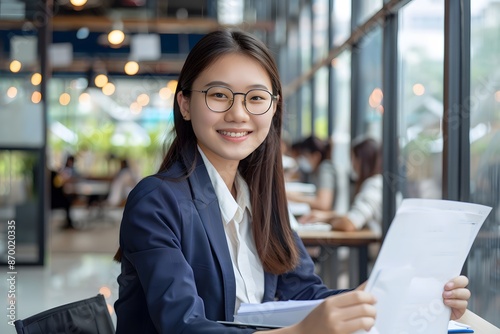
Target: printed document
<point>426,246</point>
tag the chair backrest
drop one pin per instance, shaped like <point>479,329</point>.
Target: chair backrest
<point>87,316</point>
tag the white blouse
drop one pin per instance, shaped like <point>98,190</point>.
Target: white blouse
<point>236,216</point>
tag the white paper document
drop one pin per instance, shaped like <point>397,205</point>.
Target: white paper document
<point>426,246</point>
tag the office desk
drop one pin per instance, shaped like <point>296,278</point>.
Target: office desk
<point>329,241</point>
<point>478,324</point>
<point>87,187</point>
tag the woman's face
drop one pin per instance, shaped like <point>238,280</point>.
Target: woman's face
<point>230,136</point>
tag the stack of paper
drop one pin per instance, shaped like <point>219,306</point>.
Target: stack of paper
<point>275,313</point>
<point>425,247</point>
<point>282,314</point>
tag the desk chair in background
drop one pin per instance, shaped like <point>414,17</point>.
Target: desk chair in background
<point>87,316</point>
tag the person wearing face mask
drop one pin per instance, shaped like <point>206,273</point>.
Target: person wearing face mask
<point>316,167</point>
<point>366,207</point>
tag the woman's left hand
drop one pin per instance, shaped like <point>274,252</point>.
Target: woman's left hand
<point>456,296</point>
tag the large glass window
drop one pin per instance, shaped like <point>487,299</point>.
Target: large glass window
<point>367,8</point>
<point>484,260</point>
<point>321,97</point>
<point>421,47</point>
<point>341,20</point>
<point>305,38</point>
<point>341,127</point>
<point>370,84</point>
<point>20,208</point>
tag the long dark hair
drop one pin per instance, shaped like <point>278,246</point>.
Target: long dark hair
<point>262,169</point>
<point>368,153</point>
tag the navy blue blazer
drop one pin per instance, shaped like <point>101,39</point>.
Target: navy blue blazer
<point>176,272</point>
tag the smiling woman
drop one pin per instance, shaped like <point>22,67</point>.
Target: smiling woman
<point>211,229</point>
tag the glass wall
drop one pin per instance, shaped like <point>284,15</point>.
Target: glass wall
<point>342,21</point>
<point>20,206</point>
<point>421,66</point>
<point>370,83</point>
<point>22,146</point>
<point>484,260</point>
<point>341,127</point>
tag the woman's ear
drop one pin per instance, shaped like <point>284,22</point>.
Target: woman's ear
<point>275,104</point>
<point>183,102</point>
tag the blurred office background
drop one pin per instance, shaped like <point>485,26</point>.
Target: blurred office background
<point>95,79</point>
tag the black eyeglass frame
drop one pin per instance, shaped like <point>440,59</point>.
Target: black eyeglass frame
<point>273,98</point>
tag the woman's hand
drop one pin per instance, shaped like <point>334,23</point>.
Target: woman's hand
<point>456,296</point>
<point>340,314</point>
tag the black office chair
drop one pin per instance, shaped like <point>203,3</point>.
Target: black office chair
<point>87,316</point>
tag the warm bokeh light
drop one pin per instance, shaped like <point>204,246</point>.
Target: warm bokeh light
<point>418,89</point>
<point>36,79</point>
<point>64,99</point>
<point>135,108</point>
<point>84,98</point>
<point>334,62</point>
<point>36,97</point>
<point>108,89</point>
<point>497,95</point>
<point>143,99</point>
<point>15,66</point>
<point>376,98</point>
<point>165,93</point>
<point>101,80</point>
<point>78,3</point>
<point>380,109</point>
<point>172,84</point>
<point>116,37</point>
<point>131,68</point>
<point>105,291</point>
<point>111,310</point>
<point>12,92</point>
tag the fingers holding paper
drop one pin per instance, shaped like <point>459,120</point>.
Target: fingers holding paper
<point>456,296</point>
<point>339,314</point>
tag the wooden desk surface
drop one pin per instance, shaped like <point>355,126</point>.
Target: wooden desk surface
<point>338,238</point>
<point>478,324</point>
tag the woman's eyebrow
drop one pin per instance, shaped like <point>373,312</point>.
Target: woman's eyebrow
<point>225,84</point>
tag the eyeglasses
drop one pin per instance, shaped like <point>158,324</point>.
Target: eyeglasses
<point>220,99</point>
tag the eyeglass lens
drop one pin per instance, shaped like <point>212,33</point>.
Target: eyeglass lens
<point>220,99</point>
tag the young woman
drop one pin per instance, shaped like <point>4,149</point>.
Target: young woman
<point>211,229</point>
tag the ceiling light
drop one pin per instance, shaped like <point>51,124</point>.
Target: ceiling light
<point>36,79</point>
<point>131,68</point>
<point>12,92</point>
<point>101,80</point>
<point>78,3</point>
<point>36,97</point>
<point>15,66</point>
<point>108,89</point>
<point>116,37</point>
<point>64,99</point>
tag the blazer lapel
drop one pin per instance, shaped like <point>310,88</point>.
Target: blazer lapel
<point>207,205</point>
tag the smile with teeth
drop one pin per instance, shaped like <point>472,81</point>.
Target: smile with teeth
<point>233,134</point>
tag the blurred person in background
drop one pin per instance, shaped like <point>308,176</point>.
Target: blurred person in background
<point>366,207</point>
<point>122,184</point>
<point>59,198</point>
<point>316,167</point>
